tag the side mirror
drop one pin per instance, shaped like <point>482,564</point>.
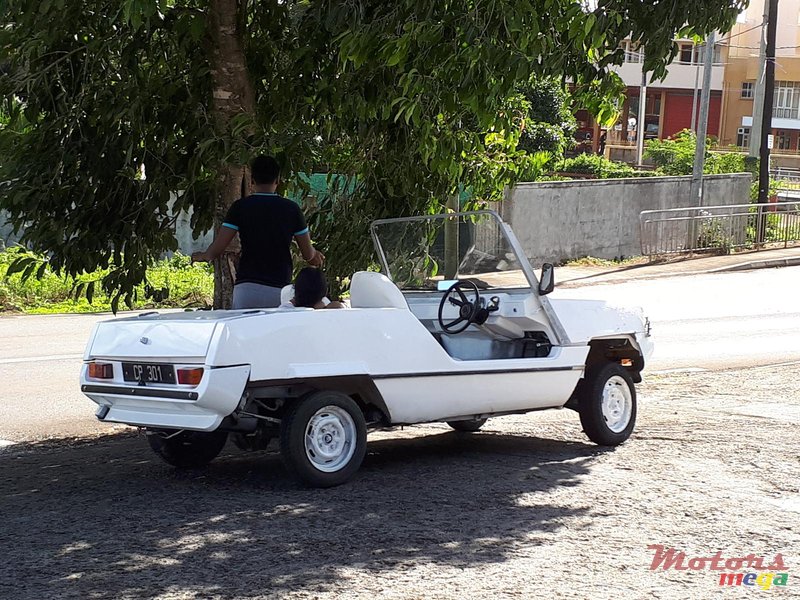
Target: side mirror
<point>547,281</point>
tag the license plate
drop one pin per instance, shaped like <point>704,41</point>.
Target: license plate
<point>148,373</point>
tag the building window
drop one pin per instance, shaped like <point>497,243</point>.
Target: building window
<point>787,99</point>
<point>743,137</point>
<point>747,90</point>
<point>633,54</point>
<point>686,53</point>
<point>689,54</point>
<point>784,140</point>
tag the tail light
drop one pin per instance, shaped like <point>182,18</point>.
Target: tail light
<point>190,376</point>
<point>101,370</point>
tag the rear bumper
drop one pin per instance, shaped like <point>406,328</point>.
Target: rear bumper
<point>201,408</point>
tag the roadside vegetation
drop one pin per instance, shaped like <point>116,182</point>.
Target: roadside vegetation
<point>600,167</point>
<point>592,261</point>
<point>675,156</point>
<point>170,283</point>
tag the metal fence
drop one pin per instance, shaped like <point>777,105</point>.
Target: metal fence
<point>785,175</point>
<point>719,228</point>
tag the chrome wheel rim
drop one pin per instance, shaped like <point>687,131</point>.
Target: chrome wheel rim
<point>617,404</point>
<point>330,439</point>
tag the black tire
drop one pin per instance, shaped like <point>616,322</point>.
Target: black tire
<point>470,426</point>
<point>601,429</point>
<point>340,423</point>
<point>187,449</point>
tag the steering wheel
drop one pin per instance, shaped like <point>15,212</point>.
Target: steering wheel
<point>467,309</point>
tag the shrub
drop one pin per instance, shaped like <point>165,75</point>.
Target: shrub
<point>171,282</point>
<point>601,167</point>
<point>675,156</point>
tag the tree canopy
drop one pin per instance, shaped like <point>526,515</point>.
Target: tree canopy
<point>116,115</point>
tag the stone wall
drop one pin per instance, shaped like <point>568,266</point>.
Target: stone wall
<point>561,220</point>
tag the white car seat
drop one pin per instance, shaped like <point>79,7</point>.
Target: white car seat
<point>374,290</point>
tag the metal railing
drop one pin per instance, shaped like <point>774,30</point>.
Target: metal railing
<point>719,228</point>
<point>785,175</point>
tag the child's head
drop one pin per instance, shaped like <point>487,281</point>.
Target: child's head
<point>309,287</point>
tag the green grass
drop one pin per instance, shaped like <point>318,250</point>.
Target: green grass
<point>591,261</point>
<point>177,284</point>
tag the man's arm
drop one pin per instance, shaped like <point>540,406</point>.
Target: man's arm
<point>311,255</point>
<point>217,247</point>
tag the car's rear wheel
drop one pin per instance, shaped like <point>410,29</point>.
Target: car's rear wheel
<point>470,425</point>
<point>324,439</point>
<point>607,404</point>
<point>187,449</point>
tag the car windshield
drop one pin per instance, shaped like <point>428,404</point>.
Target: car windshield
<point>430,253</point>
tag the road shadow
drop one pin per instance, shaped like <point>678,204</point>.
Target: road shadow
<point>107,519</point>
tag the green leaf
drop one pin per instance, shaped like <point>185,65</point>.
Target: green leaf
<point>18,265</point>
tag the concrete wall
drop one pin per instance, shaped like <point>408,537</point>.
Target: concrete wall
<point>561,220</point>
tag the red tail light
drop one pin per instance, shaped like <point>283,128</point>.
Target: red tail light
<point>190,376</point>
<point>101,370</point>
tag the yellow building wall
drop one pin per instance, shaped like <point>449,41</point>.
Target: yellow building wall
<point>743,61</point>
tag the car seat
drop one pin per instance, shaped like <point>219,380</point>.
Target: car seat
<point>374,290</point>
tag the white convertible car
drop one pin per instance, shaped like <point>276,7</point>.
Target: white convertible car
<point>456,328</point>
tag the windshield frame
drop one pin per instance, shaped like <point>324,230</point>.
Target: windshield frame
<point>505,230</point>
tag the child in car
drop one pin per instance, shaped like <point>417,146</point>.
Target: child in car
<point>310,289</point>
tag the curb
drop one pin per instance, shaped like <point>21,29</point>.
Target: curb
<point>789,261</point>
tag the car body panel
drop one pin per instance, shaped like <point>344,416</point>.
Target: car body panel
<point>217,396</point>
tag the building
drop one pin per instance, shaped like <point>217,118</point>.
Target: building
<point>669,103</point>
<point>741,72</point>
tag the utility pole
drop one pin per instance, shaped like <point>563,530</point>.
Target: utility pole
<point>694,99</point>
<point>766,117</point>
<point>702,126</point>
<point>758,96</point>
<point>640,125</point>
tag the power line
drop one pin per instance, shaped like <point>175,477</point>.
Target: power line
<point>759,47</point>
<point>730,37</point>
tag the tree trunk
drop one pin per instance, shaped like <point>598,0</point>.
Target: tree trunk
<point>233,95</point>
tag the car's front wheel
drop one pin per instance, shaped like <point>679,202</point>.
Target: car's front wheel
<point>469,426</point>
<point>607,404</point>
<point>324,439</point>
<point>187,449</point>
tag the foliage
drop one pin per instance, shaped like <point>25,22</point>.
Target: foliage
<point>169,283</point>
<point>772,188</point>
<point>549,124</point>
<point>675,156</point>
<point>90,98</point>
<point>713,233</point>
<point>778,227</point>
<point>591,261</point>
<point>601,167</point>
<point>411,101</point>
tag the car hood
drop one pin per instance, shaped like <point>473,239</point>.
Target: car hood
<point>585,320</point>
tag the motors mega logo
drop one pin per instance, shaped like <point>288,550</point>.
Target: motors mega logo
<point>760,576</point>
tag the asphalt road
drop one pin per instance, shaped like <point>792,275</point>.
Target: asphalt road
<point>700,322</point>
<point>713,322</point>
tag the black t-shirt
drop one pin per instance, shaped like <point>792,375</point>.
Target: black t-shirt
<point>266,224</point>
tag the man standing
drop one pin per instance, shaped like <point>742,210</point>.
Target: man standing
<point>266,224</point>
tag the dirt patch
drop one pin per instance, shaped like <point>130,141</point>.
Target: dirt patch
<point>527,508</point>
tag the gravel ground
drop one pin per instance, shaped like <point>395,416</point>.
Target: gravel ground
<point>526,508</point>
